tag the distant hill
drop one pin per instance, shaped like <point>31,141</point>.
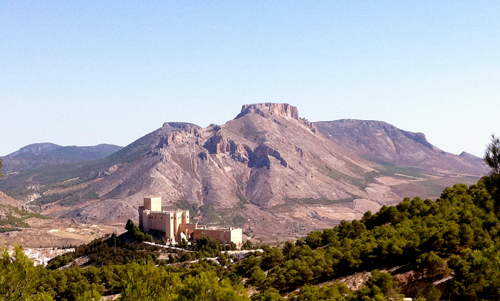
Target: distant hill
<point>387,145</point>
<point>40,154</point>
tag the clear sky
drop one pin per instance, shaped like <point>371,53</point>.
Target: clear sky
<point>90,72</point>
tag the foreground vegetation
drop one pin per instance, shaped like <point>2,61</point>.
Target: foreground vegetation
<point>452,245</point>
<point>457,235</point>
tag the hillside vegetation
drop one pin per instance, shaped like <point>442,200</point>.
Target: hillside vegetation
<point>455,238</point>
<point>451,246</point>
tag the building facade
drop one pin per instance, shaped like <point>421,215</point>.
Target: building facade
<point>176,225</point>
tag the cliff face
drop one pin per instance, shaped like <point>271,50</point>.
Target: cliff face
<point>270,109</point>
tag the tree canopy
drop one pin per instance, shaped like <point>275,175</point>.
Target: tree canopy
<point>492,154</point>
<point>458,235</point>
<point>451,244</point>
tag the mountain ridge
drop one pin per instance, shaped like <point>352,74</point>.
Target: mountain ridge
<point>387,144</point>
<point>267,166</point>
<point>37,155</point>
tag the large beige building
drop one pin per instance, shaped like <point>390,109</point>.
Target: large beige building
<point>176,224</point>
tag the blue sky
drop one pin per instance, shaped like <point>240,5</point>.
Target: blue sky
<point>90,72</point>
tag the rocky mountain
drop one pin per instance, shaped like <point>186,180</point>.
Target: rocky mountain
<point>40,154</point>
<point>266,158</point>
<point>385,144</point>
<point>266,154</point>
<point>268,170</point>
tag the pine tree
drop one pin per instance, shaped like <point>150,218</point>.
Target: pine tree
<point>492,154</point>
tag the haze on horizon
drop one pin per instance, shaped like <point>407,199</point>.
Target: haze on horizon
<point>85,73</point>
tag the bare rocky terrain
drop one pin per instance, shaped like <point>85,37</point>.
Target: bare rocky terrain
<point>270,171</point>
<point>36,231</point>
<point>57,232</point>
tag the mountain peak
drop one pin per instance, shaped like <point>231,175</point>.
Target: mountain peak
<point>35,148</point>
<point>269,109</point>
<point>181,126</point>
<point>467,155</point>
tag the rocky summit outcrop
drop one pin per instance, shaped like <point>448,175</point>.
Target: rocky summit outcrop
<point>270,109</point>
<point>275,109</point>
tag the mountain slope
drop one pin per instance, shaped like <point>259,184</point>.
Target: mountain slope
<point>6,200</point>
<point>40,154</point>
<point>256,162</point>
<point>386,144</point>
<point>13,214</point>
<point>267,170</point>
